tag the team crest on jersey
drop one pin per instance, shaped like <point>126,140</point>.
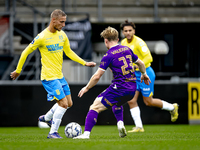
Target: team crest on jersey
<point>57,92</point>
<point>60,37</point>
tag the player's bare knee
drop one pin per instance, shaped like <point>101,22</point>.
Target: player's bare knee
<point>132,104</point>
<point>90,107</point>
<point>64,106</point>
<point>70,104</point>
<point>93,107</point>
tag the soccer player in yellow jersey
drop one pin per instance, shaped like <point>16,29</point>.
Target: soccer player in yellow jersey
<point>51,43</point>
<point>140,48</point>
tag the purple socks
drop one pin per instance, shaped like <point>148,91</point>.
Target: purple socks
<point>118,112</point>
<point>92,116</point>
<point>91,120</point>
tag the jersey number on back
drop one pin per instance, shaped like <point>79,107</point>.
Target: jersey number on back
<point>126,64</point>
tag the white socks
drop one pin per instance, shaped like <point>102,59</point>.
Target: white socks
<point>167,106</point>
<point>49,115</point>
<point>57,117</point>
<point>135,113</point>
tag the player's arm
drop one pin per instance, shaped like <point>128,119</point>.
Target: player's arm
<point>142,69</point>
<point>104,64</point>
<point>29,49</point>
<point>21,62</point>
<point>93,81</point>
<point>73,56</point>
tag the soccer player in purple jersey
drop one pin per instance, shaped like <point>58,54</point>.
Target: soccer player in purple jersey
<point>120,60</point>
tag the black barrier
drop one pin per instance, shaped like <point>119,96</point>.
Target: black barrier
<point>79,34</point>
<point>21,105</point>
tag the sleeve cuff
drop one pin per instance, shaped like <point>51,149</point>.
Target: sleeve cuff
<point>18,71</point>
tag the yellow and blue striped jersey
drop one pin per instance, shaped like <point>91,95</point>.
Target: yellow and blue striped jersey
<point>51,46</point>
<point>139,47</point>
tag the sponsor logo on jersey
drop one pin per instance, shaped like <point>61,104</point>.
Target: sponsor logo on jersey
<point>49,38</point>
<point>37,37</point>
<point>54,48</point>
<point>146,89</point>
<point>33,41</point>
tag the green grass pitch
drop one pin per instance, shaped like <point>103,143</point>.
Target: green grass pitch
<point>155,137</point>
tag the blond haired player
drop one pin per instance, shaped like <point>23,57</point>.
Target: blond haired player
<point>140,48</point>
<point>122,89</point>
<point>51,43</point>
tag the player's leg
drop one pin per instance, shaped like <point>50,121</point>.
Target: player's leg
<point>147,92</point>
<point>118,112</point>
<point>135,113</point>
<point>63,105</point>
<point>49,115</point>
<point>57,118</point>
<point>91,118</point>
<point>154,102</point>
<point>57,90</point>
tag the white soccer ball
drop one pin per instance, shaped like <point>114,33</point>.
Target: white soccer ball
<point>73,129</point>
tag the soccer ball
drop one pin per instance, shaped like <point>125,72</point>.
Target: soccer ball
<point>73,129</point>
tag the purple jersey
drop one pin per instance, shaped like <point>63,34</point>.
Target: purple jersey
<point>120,60</point>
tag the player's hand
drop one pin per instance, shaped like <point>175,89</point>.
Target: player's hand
<point>82,91</point>
<point>90,64</point>
<point>14,75</point>
<point>146,79</point>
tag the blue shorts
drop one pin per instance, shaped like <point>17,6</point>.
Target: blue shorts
<point>119,96</point>
<point>146,90</point>
<point>56,89</point>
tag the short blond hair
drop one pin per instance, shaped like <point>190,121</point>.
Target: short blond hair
<point>110,33</point>
<point>57,13</point>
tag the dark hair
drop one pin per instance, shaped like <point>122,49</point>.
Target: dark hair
<point>126,23</point>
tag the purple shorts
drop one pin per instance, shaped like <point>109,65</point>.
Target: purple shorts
<point>116,95</point>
